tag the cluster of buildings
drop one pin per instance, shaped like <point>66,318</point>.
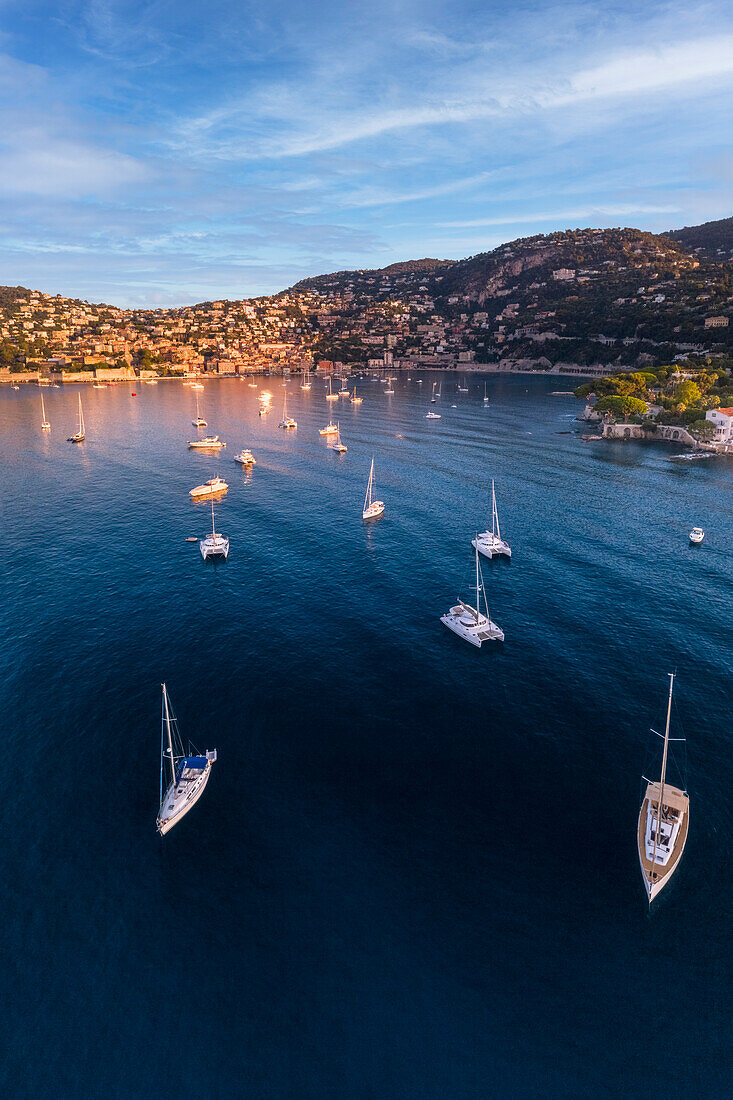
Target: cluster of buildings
<point>565,298</point>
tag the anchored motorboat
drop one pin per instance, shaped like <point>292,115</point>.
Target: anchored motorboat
<point>697,535</point>
<point>209,443</point>
<point>209,488</point>
<point>245,458</point>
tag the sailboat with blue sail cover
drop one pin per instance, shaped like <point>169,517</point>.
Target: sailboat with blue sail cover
<point>189,773</point>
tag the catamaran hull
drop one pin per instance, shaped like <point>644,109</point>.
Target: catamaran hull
<point>491,549</point>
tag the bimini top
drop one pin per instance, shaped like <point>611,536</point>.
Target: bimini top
<point>194,762</point>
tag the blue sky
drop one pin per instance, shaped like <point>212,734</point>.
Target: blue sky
<point>168,152</point>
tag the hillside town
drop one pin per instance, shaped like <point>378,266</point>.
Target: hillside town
<point>587,302</point>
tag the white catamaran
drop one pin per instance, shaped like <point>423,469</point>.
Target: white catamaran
<point>663,822</point>
<point>79,436</point>
<point>469,622</point>
<point>189,774</point>
<point>214,545</point>
<point>372,508</point>
<point>490,543</point>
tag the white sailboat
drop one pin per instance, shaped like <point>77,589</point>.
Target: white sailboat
<point>337,445</point>
<point>80,435</point>
<point>287,421</point>
<point>388,389</point>
<point>44,423</point>
<point>344,391</point>
<point>372,508</point>
<point>330,429</point>
<point>663,823</point>
<point>214,545</point>
<point>354,399</point>
<point>331,396</point>
<point>490,543</point>
<point>486,396</point>
<point>307,384</point>
<point>470,623</point>
<point>189,774</point>
<point>462,387</point>
<point>432,394</point>
<point>199,422</point>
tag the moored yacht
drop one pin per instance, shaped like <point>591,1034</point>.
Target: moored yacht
<point>199,421</point>
<point>331,396</point>
<point>663,823</point>
<point>430,415</point>
<point>337,445</point>
<point>490,543</point>
<point>697,535</point>
<point>330,429</point>
<point>208,443</point>
<point>470,623</point>
<point>44,422</point>
<point>287,421</point>
<point>306,385</point>
<point>372,508</point>
<point>245,458</point>
<point>214,545</point>
<point>189,774</point>
<point>354,399</point>
<point>209,488</point>
<point>79,435</point>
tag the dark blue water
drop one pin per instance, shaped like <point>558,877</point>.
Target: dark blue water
<point>414,871</point>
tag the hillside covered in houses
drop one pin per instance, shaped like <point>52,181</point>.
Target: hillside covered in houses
<point>584,301</point>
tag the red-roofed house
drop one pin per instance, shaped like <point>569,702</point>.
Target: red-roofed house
<point>723,421</point>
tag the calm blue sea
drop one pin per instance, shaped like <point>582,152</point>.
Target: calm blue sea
<point>413,873</point>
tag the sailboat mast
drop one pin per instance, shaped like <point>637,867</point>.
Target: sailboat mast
<point>477,587</point>
<point>494,512</point>
<point>664,771</point>
<point>170,740</point>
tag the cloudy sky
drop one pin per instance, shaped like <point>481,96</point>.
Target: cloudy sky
<point>170,151</point>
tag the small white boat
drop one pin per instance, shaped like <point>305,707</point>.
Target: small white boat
<point>330,429</point>
<point>189,773</point>
<point>196,386</point>
<point>79,436</point>
<point>206,443</point>
<point>697,535</point>
<point>344,391</point>
<point>214,545</point>
<point>372,508</point>
<point>245,458</point>
<point>338,446</point>
<point>486,397</point>
<point>209,488</point>
<point>664,819</point>
<point>199,421</point>
<point>430,415</point>
<point>151,382</point>
<point>389,391</point>
<point>470,623</point>
<point>287,422</point>
<point>44,423</point>
<point>265,409</point>
<point>331,396</point>
<point>354,399</point>
<point>99,386</point>
<point>463,388</point>
<point>432,394</point>
<point>306,385</point>
<point>16,387</point>
<point>490,543</point>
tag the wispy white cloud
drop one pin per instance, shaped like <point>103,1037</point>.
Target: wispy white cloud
<point>566,217</point>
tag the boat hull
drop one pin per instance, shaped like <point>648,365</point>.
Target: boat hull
<point>166,824</point>
<point>375,509</point>
<point>490,547</point>
<point>656,876</point>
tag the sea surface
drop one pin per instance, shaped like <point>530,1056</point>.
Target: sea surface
<point>413,873</point>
